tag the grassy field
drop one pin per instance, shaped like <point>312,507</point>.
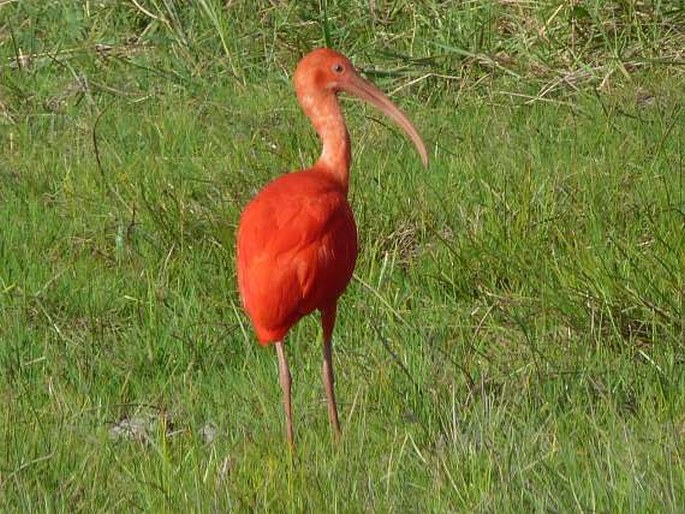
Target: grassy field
<point>514,338</point>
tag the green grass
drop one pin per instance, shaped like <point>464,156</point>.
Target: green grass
<point>514,338</point>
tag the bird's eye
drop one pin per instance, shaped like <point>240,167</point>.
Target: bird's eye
<point>338,68</point>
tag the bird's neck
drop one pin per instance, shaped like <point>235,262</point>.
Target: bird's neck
<point>324,112</point>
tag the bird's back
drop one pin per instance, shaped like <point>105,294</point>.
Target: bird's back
<point>297,247</point>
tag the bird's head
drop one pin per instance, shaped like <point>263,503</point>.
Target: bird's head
<point>325,72</point>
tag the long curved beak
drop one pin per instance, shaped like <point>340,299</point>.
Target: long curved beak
<point>365,90</point>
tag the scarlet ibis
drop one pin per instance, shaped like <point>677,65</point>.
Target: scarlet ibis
<point>297,239</point>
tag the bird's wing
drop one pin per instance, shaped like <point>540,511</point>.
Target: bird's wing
<point>296,250</point>
<point>273,226</point>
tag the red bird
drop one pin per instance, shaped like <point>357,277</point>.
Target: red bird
<point>297,239</point>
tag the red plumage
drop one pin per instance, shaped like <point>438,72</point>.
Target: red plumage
<point>297,247</point>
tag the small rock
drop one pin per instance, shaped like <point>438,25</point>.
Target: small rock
<point>208,432</point>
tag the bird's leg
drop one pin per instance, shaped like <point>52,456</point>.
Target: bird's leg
<point>285,380</point>
<point>327,322</point>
